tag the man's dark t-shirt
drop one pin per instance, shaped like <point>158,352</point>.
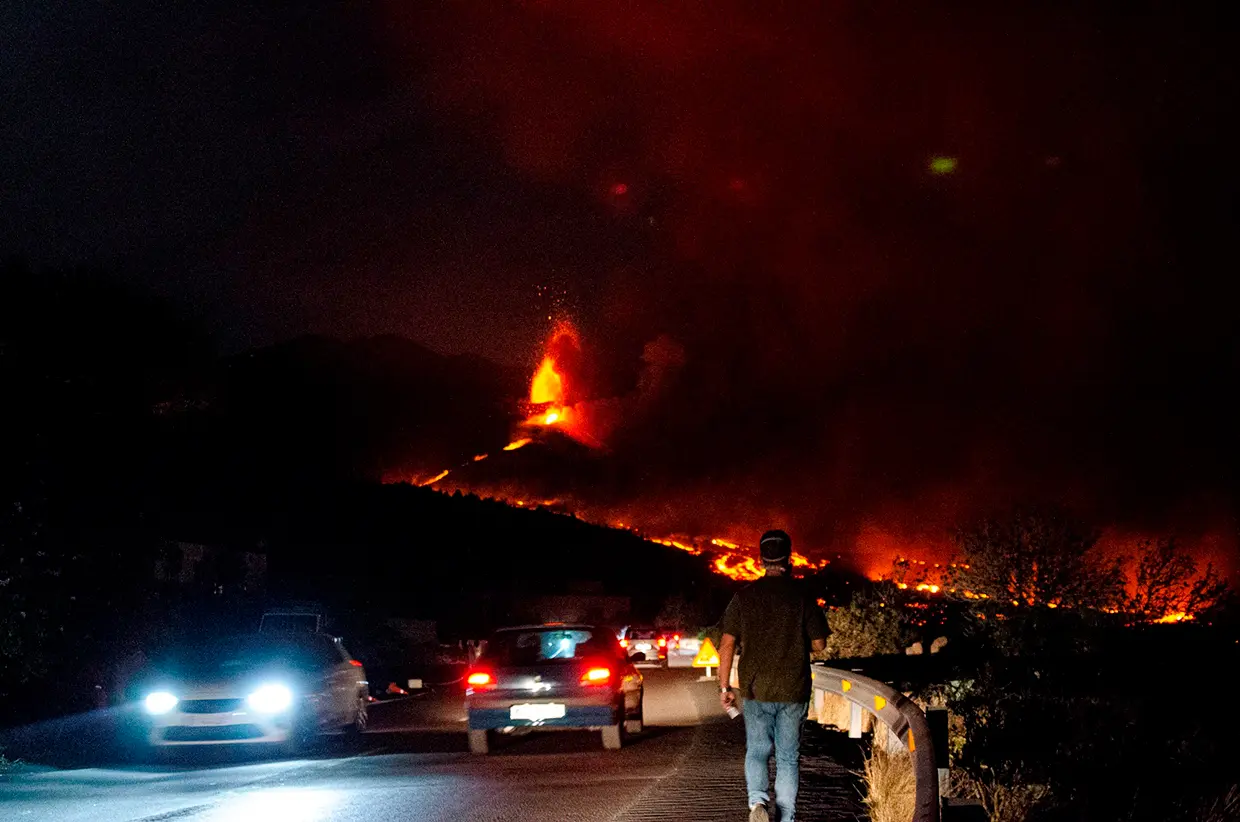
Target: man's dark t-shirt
<point>774,621</point>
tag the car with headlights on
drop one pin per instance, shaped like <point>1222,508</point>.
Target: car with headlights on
<point>553,677</point>
<point>279,688</point>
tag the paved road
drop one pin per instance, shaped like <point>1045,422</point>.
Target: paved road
<point>414,766</point>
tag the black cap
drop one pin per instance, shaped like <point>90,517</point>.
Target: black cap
<point>775,546</point>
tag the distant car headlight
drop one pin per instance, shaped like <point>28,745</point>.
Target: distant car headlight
<point>270,699</point>
<point>160,702</point>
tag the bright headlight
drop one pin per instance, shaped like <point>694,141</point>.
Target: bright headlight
<point>270,699</point>
<point>160,702</point>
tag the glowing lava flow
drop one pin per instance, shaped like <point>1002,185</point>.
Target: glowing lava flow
<point>728,558</point>
<point>436,478</point>
<point>672,543</point>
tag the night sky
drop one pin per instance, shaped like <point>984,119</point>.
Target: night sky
<point>890,265</point>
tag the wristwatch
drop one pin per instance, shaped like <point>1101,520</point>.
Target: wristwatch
<point>725,690</point>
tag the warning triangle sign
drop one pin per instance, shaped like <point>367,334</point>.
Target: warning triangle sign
<point>707,656</point>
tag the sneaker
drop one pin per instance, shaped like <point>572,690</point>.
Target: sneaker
<point>758,814</point>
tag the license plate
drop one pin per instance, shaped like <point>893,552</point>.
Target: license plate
<point>546,710</point>
<point>643,646</point>
<point>208,720</point>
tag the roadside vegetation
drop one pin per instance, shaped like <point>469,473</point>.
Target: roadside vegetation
<point>1071,667</point>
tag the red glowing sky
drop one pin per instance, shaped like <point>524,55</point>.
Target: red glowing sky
<point>789,311</point>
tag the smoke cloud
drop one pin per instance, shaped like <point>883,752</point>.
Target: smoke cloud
<point>855,269</point>
<point>916,266</point>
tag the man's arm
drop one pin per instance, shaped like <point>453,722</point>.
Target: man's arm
<point>730,627</point>
<point>816,628</point>
<point>727,649</point>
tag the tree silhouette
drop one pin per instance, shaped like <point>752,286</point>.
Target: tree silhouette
<point>1036,556</point>
<point>1168,582</point>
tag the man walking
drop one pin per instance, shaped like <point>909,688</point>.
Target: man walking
<point>777,625</point>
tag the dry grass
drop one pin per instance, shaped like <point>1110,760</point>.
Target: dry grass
<point>1011,801</point>
<point>1224,809</point>
<point>891,787</point>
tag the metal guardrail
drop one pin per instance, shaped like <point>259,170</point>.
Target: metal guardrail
<point>901,715</point>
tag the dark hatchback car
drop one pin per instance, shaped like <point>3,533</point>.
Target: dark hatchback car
<point>553,677</point>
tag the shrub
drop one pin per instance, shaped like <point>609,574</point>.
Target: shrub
<point>867,626</point>
<point>1008,798</point>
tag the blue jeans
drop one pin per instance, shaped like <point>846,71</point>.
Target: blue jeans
<point>774,725</point>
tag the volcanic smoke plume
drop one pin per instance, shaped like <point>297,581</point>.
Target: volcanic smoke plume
<point>863,275</point>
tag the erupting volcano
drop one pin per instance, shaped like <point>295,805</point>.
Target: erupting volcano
<point>555,409</point>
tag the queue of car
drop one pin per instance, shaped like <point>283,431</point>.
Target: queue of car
<point>290,682</point>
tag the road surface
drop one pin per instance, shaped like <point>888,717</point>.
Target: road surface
<point>414,766</point>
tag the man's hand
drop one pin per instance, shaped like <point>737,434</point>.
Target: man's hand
<point>727,651</point>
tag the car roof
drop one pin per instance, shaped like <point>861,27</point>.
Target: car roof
<point>270,638</point>
<point>546,626</point>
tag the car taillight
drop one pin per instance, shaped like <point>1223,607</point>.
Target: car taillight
<point>480,679</point>
<point>662,642</point>
<point>624,643</point>
<point>596,676</point>
<point>355,663</point>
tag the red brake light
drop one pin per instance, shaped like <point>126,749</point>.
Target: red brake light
<point>676,638</point>
<point>480,679</point>
<point>624,643</point>
<point>596,676</point>
<point>355,663</point>
<point>662,642</point>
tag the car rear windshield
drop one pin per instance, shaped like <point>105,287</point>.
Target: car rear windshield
<point>539,645</point>
<point>643,633</point>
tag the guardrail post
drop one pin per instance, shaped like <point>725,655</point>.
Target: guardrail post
<point>937,718</point>
<point>854,720</point>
